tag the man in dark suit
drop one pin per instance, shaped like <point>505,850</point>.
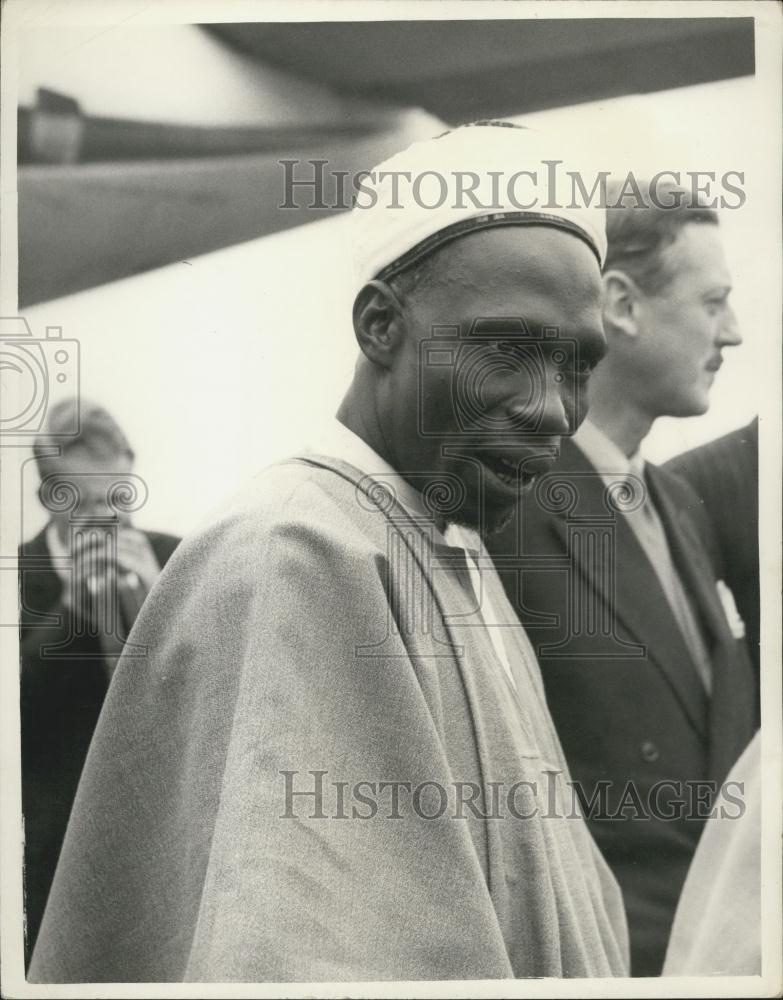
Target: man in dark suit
<point>725,476</point>
<point>607,564</point>
<point>83,579</point>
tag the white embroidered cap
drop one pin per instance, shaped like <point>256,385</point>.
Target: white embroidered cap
<point>475,177</point>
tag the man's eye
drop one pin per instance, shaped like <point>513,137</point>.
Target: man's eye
<point>509,349</point>
<point>517,353</point>
<point>567,364</point>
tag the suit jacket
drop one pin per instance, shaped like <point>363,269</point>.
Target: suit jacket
<point>725,476</point>
<point>316,628</point>
<point>620,683</point>
<point>61,699</point>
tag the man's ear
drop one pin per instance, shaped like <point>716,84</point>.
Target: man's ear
<point>620,304</point>
<point>378,322</point>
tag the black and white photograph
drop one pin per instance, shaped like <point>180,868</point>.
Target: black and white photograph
<point>390,439</point>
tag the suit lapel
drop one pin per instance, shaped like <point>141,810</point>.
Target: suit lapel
<point>636,600</point>
<point>731,715</point>
<point>690,558</point>
<point>40,584</point>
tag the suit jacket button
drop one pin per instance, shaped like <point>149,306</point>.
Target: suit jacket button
<point>650,752</point>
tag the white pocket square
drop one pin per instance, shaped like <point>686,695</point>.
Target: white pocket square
<point>736,624</point>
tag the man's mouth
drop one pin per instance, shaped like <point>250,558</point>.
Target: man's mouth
<point>519,471</point>
<point>714,364</point>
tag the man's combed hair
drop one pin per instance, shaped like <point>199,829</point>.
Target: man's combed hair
<point>98,432</point>
<point>638,234</point>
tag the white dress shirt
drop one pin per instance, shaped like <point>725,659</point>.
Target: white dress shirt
<point>645,522</point>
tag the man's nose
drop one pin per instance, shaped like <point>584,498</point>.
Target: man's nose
<point>546,414</point>
<point>95,507</point>
<point>729,334</point>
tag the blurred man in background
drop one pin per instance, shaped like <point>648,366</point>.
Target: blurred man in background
<point>725,476</point>
<point>83,580</point>
<point>644,679</point>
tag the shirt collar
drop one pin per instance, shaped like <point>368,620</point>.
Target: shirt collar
<point>55,546</point>
<point>60,555</point>
<point>604,455</point>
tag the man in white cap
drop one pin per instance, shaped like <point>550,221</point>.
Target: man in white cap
<point>337,763</point>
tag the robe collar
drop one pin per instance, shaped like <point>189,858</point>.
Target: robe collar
<point>337,440</point>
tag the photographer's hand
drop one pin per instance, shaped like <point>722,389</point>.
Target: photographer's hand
<point>92,576</point>
<point>135,555</point>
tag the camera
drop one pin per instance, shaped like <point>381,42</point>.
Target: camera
<point>496,359</point>
<point>36,374</point>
